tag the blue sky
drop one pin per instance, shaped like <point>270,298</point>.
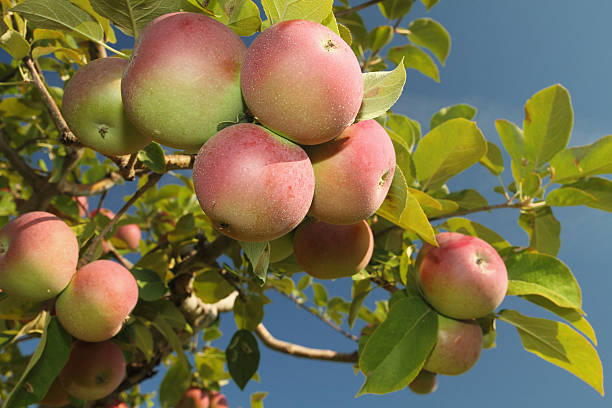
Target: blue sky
<point>502,52</point>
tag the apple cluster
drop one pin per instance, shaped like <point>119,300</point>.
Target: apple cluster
<point>38,262</point>
<point>302,153</point>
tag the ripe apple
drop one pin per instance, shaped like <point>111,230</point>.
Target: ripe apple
<point>425,382</point>
<point>94,111</point>
<point>353,173</point>
<point>93,370</point>
<point>56,396</point>
<point>199,398</point>
<point>116,404</point>
<point>83,205</point>
<point>457,349</point>
<point>328,251</point>
<point>464,277</point>
<point>253,184</point>
<point>130,234</point>
<point>183,79</point>
<point>27,244</point>
<point>303,81</point>
<point>97,301</point>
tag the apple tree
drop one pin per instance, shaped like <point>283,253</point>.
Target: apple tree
<point>269,167</point>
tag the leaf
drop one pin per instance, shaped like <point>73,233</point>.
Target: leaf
<point>257,399</point>
<point>150,285</point>
<point>44,366</point>
<point>403,209</point>
<point>394,9</point>
<point>380,91</point>
<point>548,124</point>
<point>408,130</point>
<point>143,338</point>
<point>361,289</point>
<point>210,364</point>
<point>259,256</point>
<point>461,110</point>
<point>248,311</point>
<point>104,22</point>
<point>396,351</point>
<point>414,58</point>
<point>175,342</point>
<point>447,150</point>
<point>467,199</point>
<point>60,15</point>
<point>469,227</point>
<point>514,142</point>
<point>14,43</point>
<point>543,229</point>
<point>582,161</point>
<point>131,16</point>
<point>379,37</point>
<point>175,383</point>
<point>571,315</point>
<point>304,282</point>
<point>558,344</point>
<point>429,3</point>
<point>282,10</point>
<point>153,157</point>
<point>531,273</point>
<point>493,160</point>
<point>211,287</point>
<point>242,355</point>
<point>242,16</point>
<point>594,192</point>
<point>430,34</point>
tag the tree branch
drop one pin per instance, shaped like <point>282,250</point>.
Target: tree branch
<point>19,164</point>
<point>300,351</point>
<point>523,205</point>
<point>356,8</point>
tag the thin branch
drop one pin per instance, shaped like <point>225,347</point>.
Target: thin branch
<point>300,351</point>
<point>523,205</point>
<point>357,8</point>
<point>323,318</point>
<point>18,163</point>
<point>88,251</point>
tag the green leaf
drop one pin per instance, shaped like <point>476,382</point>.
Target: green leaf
<point>558,344</point>
<point>331,23</point>
<point>569,314</point>
<point>248,311</point>
<point>403,209</point>
<point>408,130</point>
<point>414,58</point>
<point>467,199</point>
<point>430,34</point>
<point>595,192</point>
<point>211,287</point>
<point>44,366</point>
<point>531,273</point>
<point>493,160</point>
<point>104,22</point>
<point>548,124</point>
<point>153,157</point>
<point>345,33</point>
<point>320,294</point>
<point>380,91</point>
<point>396,351</point>
<point>469,227</point>
<point>242,355</point>
<point>13,107</point>
<point>360,290</point>
<point>60,15</point>
<point>130,16</point>
<point>210,364</point>
<point>304,282</point>
<point>379,37</point>
<point>257,399</point>
<point>175,342</point>
<point>175,383</point>
<point>282,10</point>
<point>543,229</point>
<point>582,161</point>
<point>394,9</point>
<point>14,43</point>
<point>150,285</point>
<point>514,142</point>
<point>143,338</point>
<point>429,3</point>
<point>242,16</point>
<point>461,110</point>
<point>259,256</point>
<point>447,150</point>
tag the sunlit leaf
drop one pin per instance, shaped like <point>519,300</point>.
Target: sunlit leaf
<point>282,10</point>
<point>380,91</point>
<point>430,34</point>
<point>415,58</point>
<point>582,161</point>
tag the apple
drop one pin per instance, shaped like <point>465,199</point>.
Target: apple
<point>253,184</point>
<point>457,348</point>
<point>425,382</point>
<point>116,404</point>
<point>301,80</point>
<point>198,398</point>
<point>93,370</point>
<point>281,248</point>
<point>130,234</point>
<point>183,79</point>
<point>94,111</point>
<point>328,251</point>
<point>464,277</point>
<point>83,205</point>
<point>27,244</point>
<point>97,301</point>
<point>353,173</point>
<point>56,396</point>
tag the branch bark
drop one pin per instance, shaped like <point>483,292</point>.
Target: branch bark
<point>357,8</point>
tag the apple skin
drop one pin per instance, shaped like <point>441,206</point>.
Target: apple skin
<point>301,80</point>
<point>183,79</point>
<point>353,173</point>
<point>199,398</point>
<point>457,349</point>
<point>130,234</point>
<point>425,382</point>
<point>94,111</point>
<point>57,396</point>
<point>463,278</point>
<point>254,185</point>
<point>83,205</point>
<point>97,301</point>
<point>93,370</point>
<point>116,404</point>
<point>27,243</point>
<point>328,251</point>
<point>281,248</point>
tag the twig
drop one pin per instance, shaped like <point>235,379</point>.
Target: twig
<point>524,205</point>
<point>18,163</point>
<point>88,251</point>
<point>300,351</point>
<point>324,318</point>
<point>356,8</point>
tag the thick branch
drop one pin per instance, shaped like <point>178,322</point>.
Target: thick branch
<point>300,351</point>
<point>357,8</point>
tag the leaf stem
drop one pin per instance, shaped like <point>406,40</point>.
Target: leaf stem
<point>357,8</point>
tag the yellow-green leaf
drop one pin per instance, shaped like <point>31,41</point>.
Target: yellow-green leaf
<point>583,161</point>
<point>430,34</point>
<point>281,10</point>
<point>380,91</point>
<point>415,58</point>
